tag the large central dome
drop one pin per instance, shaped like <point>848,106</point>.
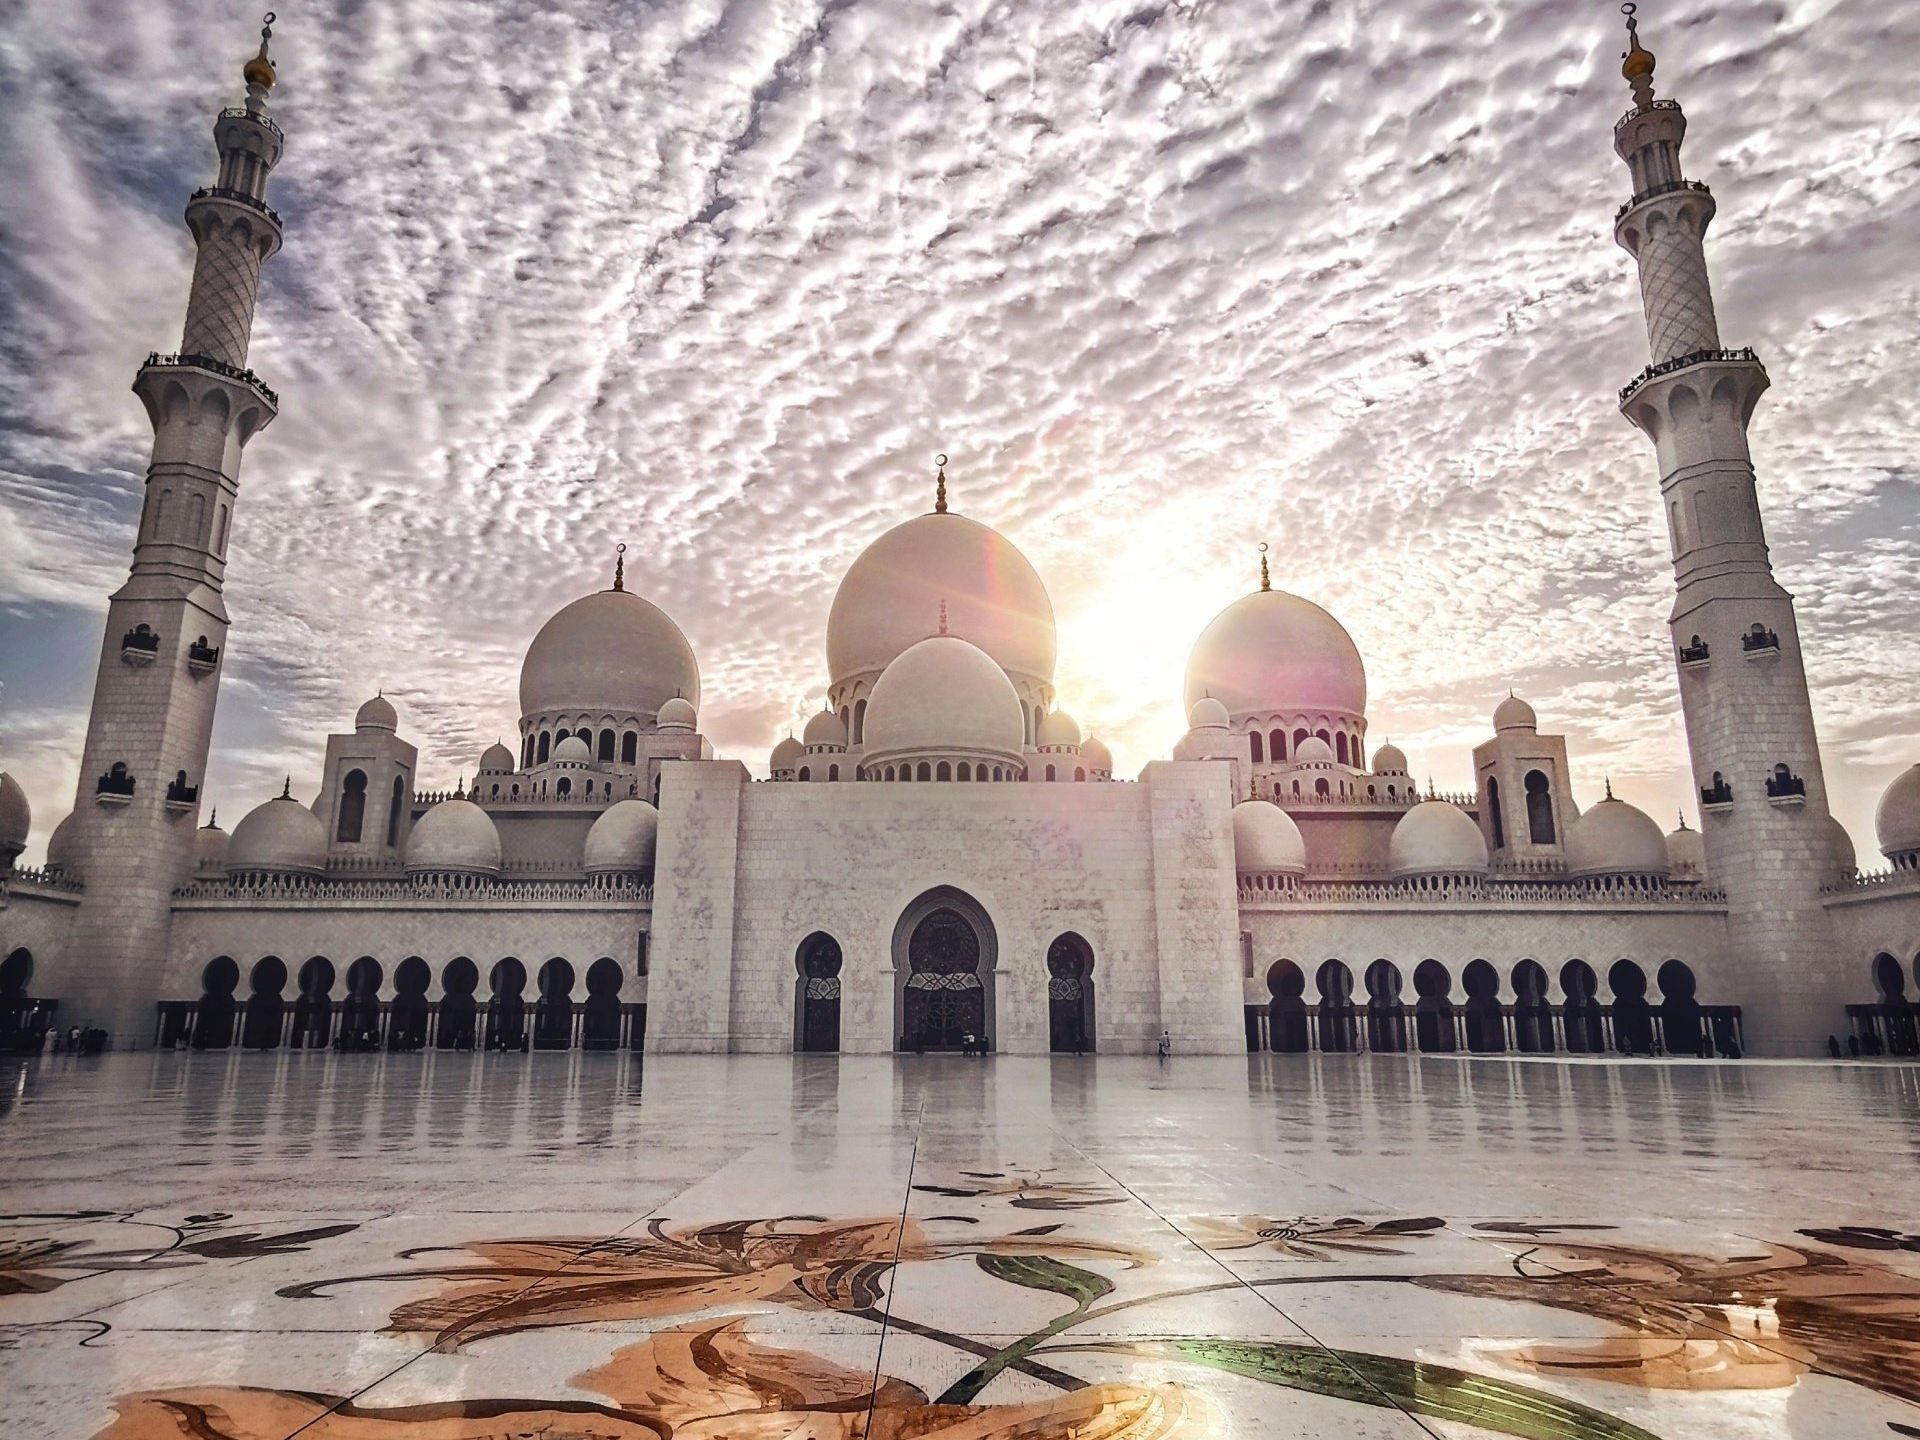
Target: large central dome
<point>610,651</point>
<point>890,599</point>
<point>1275,653</point>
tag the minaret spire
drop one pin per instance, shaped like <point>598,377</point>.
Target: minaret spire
<point>1266,580</point>
<point>940,485</point>
<point>1743,686</point>
<point>620,566</point>
<point>159,674</point>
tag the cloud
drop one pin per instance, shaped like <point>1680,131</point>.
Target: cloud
<point>718,279</point>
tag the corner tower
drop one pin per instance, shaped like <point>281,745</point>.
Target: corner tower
<point>1763,797</point>
<point>153,699</point>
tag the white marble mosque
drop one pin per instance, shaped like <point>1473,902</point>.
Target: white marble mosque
<point>945,858</point>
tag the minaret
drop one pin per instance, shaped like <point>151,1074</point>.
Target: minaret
<point>1769,838</point>
<point>153,700</point>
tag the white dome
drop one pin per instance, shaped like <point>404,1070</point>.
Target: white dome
<point>891,597</point>
<point>454,837</point>
<point>1896,820</point>
<point>60,854</point>
<point>1206,713</point>
<point>1436,838</point>
<point>825,730</point>
<point>944,695</point>
<point>377,714</point>
<point>1058,728</point>
<point>281,837</point>
<point>496,759</point>
<point>1686,853</point>
<point>16,817</point>
<point>1275,652</point>
<point>1513,713</point>
<point>573,751</point>
<point>610,651</point>
<point>1266,841</point>
<point>209,849</point>
<point>1845,861</point>
<point>677,714</point>
<point>1094,751</point>
<point>786,754</point>
<point>1389,759</point>
<point>622,840</point>
<point>1615,838</point>
<point>1313,751</point>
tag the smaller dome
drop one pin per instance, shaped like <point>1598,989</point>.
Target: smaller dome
<point>825,731</point>
<point>622,840</point>
<point>1513,713</point>
<point>1313,751</point>
<point>1896,820</point>
<point>496,759</point>
<point>60,849</point>
<point>1058,728</point>
<point>786,754</point>
<point>1207,714</point>
<point>677,714</point>
<point>1436,838</point>
<point>1389,759</point>
<point>944,695</point>
<point>1615,838</point>
<point>573,751</point>
<point>1094,751</point>
<point>1845,861</point>
<point>16,817</point>
<point>1686,853</point>
<point>455,837</point>
<point>1266,841</point>
<point>377,714</point>
<point>280,837</point>
<point>209,849</point>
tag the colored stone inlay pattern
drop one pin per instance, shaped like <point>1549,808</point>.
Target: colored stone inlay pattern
<point>238,1247</point>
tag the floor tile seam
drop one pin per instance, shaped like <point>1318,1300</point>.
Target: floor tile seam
<point>437,1345</point>
<point>893,1273</point>
<point>1333,1354</point>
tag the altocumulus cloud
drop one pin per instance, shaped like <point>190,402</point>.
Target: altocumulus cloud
<point>717,277</point>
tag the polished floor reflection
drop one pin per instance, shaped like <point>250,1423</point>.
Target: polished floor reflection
<point>464,1246</point>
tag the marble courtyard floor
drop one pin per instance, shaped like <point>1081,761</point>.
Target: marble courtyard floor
<point>457,1246</point>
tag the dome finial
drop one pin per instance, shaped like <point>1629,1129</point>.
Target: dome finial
<point>259,70</point>
<point>943,617</point>
<point>940,493</point>
<point>620,566</point>
<point>286,788</point>
<point>1637,64</point>
<point>213,818</point>
<point>1609,787</point>
<point>1266,580</point>
<point>1683,819</point>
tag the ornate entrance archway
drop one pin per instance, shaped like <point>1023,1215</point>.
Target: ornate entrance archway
<point>1070,995</point>
<point>817,987</point>
<point>944,951</point>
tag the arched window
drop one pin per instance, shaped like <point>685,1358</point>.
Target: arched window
<point>1321,788</point>
<point>562,734</point>
<point>859,722</point>
<point>945,772</point>
<point>353,808</point>
<point>924,771</point>
<point>833,772</point>
<point>395,807</point>
<point>965,771</point>
<point>590,790</point>
<point>806,772</point>
<point>563,788</point>
<point>1259,750</point>
<point>1340,747</point>
<point>979,774</point>
<point>1050,772</point>
<point>220,533</point>
<point>1493,809</point>
<point>1079,772</point>
<point>546,739</point>
<point>1299,739</point>
<point>160,517</point>
<point>629,747</point>
<point>1277,744</point>
<point>1539,809</point>
<point>606,745</point>
<point>526,752</point>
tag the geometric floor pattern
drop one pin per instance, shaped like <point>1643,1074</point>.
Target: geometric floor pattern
<point>474,1247</point>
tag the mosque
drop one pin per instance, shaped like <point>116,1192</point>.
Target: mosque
<point>944,858</point>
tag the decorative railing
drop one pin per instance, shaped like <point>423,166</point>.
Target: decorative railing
<point>202,657</point>
<point>264,121</point>
<point>239,197</point>
<point>378,866</point>
<point>1667,187</point>
<point>218,367</point>
<point>1407,797</point>
<point>1755,640</point>
<point>1475,890</point>
<point>1692,654</point>
<point>140,638</point>
<point>182,794</point>
<point>1865,882</point>
<point>1713,796</point>
<point>1681,362</point>
<point>39,878</point>
<point>483,795</point>
<point>1781,786</point>
<point>1650,105</point>
<point>464,890</point>
<point>114,784</point>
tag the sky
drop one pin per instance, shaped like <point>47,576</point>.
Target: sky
<point>718,278</point>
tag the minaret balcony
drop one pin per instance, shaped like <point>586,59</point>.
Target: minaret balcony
<point>1760,645</point>
<point>115,787</point>
<point>1653,192</point>
<point>1716,798</point>
<point>1685,362</point>
<point>139,646</point>
<point>158,361</point>
<point>1695,655</point>
<point>182,797</point>
<point>1786,789</point>
<point>237,197</point>
<point>202,657</point>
